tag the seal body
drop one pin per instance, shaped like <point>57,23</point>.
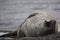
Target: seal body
<point>38,24</point>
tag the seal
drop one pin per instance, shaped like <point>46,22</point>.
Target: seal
<point>39,23</point>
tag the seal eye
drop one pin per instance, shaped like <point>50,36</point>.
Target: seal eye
<point>50,23</point>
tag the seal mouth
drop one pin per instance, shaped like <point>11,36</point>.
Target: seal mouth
<point>50,23</point>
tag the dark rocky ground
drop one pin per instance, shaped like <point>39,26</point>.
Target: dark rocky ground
<point>55,36</point>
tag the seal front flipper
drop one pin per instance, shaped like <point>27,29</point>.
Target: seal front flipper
<point>11,34</point>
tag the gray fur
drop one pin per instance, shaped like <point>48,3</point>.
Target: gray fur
<point>35,25</point>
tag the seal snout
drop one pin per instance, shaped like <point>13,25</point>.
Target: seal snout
<point>50,23</point>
